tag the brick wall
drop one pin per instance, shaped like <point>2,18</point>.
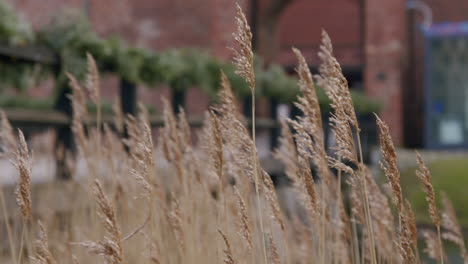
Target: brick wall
<point>372,34</point>
<point>209,24</point>
<point>157,25</point>
<point>384,52</point>
<point>302,23</point>
<point>164,24</point>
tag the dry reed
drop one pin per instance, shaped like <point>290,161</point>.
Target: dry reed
<point>212,201</point>
<point>453,231</point>
<point>43,254</point>
<point>425,176</point>
<point>23,164</point>
<point>111,246</point>
<point>229,257</point>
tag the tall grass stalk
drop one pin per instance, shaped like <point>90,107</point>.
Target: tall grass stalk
<point>366,203</point>
<point>8,144</point>
<point>243,59</point>
<point>211,201</point>
<point>93,87</point>
<point>6,218</point>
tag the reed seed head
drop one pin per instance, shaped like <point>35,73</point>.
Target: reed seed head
<point>229,256</point>
<point>7,138</point>
<point>425,176</point>
<point>92,79</point>
<point>23,164</point>
<point>43,254</point>
<point>452,230</point>
<point>389,164</point>
<point>243,55</point>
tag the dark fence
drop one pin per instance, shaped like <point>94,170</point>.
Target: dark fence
<point>32,121</point>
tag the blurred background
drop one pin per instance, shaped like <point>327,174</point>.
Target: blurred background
<point>406,60</point>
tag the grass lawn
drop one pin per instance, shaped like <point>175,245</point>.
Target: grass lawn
<point>450,176</point>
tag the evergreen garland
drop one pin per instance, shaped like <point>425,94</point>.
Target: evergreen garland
<point>71,37</point>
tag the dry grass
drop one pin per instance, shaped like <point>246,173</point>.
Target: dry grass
<point>211,202</point>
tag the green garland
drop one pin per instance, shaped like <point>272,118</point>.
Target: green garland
<point>13,29</point>
<point>180,69</point>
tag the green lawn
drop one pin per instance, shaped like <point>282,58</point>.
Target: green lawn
<point>448,175</point>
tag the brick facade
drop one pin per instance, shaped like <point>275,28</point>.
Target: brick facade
<point>385,31</point>
<point>156,25</point>
<point>302,23</point>
<point>376,38</point>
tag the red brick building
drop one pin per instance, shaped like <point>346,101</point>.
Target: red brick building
<point>376,41</point>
